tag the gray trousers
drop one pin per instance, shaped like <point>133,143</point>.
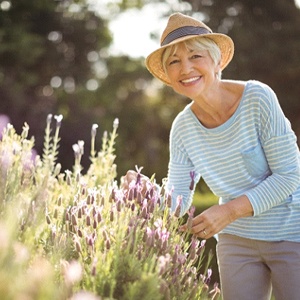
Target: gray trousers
<point>253,269</point>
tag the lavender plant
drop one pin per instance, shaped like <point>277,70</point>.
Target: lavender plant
<point>68,235</point>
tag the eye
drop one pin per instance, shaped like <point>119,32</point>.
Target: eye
<point>173,61</point>
<point>195,56</point>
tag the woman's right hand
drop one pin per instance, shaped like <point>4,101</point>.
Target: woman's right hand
<point>132,177</point>
<point>128,178</point>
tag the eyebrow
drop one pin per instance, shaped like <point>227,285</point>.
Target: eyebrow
<point>189,50</point>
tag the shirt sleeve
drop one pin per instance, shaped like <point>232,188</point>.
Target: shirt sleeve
<point>179,181</point>
<point>282,153</point>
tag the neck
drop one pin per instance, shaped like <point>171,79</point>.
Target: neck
<point>215,107</point>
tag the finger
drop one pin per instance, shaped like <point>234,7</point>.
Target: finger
<point>131,174</point>
<point>197,224</point>
<point>183,227</point>
<point>204,234</point>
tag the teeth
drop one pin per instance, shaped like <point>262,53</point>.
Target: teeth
<point>190,80</point>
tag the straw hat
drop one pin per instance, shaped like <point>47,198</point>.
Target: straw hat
<point>181,28</point>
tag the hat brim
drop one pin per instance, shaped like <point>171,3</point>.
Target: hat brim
<point>154,60</point>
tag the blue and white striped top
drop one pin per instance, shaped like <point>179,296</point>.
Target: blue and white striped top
<point>254,153</point>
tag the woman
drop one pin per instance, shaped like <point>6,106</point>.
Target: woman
<point>235,136</point>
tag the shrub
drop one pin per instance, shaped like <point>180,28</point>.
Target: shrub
<point>68,235</point>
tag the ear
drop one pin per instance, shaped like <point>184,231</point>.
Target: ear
<point>218,70</point>
<point>218,67</point>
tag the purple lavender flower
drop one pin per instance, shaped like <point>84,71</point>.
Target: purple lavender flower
<point>192,185</point>
<point>201,248</point>
<point>193,248</point>
<point>150,237</point>
<point>169,197</point>
<point>178,206</point>
<point>189,222</point>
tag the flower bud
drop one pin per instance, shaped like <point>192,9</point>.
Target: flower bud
<point>99,217</point>
<point>169,201</point>
<point>178,207</point>
<point>116,123</point>
<point>58,119</point>
<point>94,130</point>
<point>88,200</point>
<point>74,221</point>
<point>105,236</point>
<point>67,216</point>
<point>93,271</point>
<point>68,179</point>
<point>144,212</point>
<point>57,169</point>
<point>88,220</point>
<point>78,246</point>
<point>49,119</point>
<point>78,175</point>
<point>95,224</point>
<point>102,200</point>
<point>132,206</point>
<point>59,201</point>
<point>94,212</point>
<point>55,214</point>
<point>79,232</point>
<point>83,191</point>
<point>119,204</point>
<point>48,219</point>
<point>92,199</point>
<point>107,244</point>
<point>111,216</point>
<point>90,241</point>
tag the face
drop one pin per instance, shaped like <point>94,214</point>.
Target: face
<point>192,72</point>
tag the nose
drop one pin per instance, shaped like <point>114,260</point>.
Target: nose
<point>186,66</point>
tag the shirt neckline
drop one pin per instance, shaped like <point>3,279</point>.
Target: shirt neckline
<point>226,124</point>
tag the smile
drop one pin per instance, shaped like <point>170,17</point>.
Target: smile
<point>189,80</point>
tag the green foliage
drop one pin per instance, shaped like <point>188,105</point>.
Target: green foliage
<point>68,235</point>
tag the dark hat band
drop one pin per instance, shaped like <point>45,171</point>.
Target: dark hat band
<point>184,31</point>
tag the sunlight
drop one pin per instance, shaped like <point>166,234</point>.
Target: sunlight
<point>132,30</point>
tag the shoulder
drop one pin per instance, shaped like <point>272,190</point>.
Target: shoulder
<point>261,98</point>
<point>254,92</point>
<point>253,85</point>
<point>261,93</point>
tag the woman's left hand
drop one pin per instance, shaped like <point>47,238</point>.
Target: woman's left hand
<point>217,217</point>
<point>210,222</point>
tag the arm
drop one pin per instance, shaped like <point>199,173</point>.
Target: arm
<point>282,154</point>
<point>179,172</point>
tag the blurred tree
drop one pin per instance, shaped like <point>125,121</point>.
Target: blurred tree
<point>47,54</point>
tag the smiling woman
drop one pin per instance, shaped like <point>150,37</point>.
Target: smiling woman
<point>235,136</point>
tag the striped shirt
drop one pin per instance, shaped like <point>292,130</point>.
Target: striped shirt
<point>254,153</point>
